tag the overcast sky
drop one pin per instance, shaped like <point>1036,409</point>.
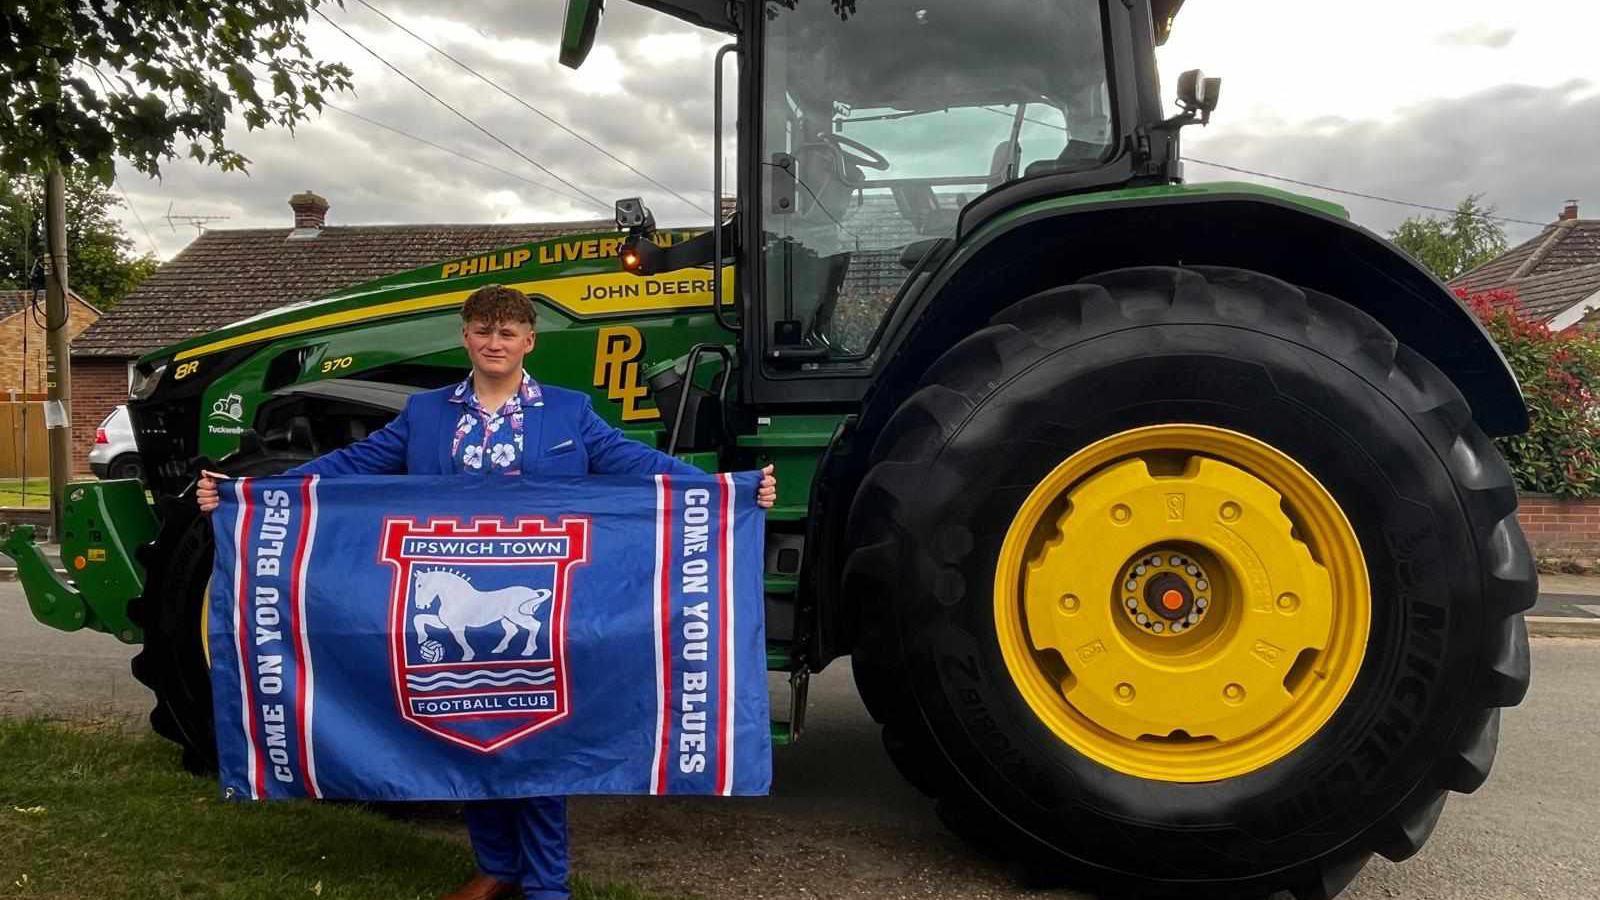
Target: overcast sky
<point>1426,100</point>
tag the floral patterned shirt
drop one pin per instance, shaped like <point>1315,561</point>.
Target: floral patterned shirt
<point>491,441</point>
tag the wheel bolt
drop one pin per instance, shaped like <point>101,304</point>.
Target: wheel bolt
<point>1131,585</point>
<point>1125,692</point>
<point>1176,561</point>
<point>1192,570</point>
<point>1230,512</point>
<point>1233,693</point>
<point>1140,569</point>
<point>1120,513</point>
<point>1157,628</point>
<point>1143,619</point>
<point>1132,603</point>
<point>1069,604</point>
<point>1288,603</point>
<point>1201,603</point>
<point>1202,585</point>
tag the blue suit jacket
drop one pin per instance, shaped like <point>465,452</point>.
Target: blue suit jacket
<point>563,436</point>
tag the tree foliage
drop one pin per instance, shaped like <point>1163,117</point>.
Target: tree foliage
<point>101,264</point>
<point>82,81</point>
<point>1451,245</point>
<point>1560,378</point>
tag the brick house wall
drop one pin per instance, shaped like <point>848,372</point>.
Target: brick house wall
<point>23,324</point>
<point>1561,527</point>
<point>98,385</point>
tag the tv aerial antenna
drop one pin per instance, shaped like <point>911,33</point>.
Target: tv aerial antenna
<point>198,222</point>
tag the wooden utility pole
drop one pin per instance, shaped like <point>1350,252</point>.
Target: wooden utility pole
<point>58,370</point>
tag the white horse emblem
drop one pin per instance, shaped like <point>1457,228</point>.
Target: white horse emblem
<point>462,606</point>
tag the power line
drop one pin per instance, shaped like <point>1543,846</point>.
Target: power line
<point>450,150</point>
<point>534,109</point>
<point>154,250</point>
<point>461,115</point>
<point>1364,196</point>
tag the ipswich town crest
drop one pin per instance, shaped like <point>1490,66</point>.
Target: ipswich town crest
<point>477,619</point>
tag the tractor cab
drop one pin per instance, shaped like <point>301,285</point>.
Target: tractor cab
<point>873,134</point>
<point>879,128</point>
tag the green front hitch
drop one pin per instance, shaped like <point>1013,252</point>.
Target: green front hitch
<point>103,522</point>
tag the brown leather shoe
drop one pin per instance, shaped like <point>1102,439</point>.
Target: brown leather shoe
<point>484,887</point>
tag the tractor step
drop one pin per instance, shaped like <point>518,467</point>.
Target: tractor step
<point>779,659</point>
<point>785,733</point>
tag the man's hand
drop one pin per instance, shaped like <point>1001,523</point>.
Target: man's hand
<point>767,492</point>
<point>205,490</point>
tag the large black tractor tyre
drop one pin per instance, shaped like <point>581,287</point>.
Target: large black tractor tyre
<point>173,661</point>
<point>1387,435</point>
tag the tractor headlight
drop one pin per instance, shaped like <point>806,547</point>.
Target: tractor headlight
<point>144,383</point>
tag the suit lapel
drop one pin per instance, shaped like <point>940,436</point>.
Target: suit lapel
<point>532,433</point>
<point>448,417</point>
<point>447,435</point>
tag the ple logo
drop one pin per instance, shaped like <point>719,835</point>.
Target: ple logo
<point>477,622</point>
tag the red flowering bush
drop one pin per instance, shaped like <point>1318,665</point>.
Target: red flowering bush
<point>1560,378</point>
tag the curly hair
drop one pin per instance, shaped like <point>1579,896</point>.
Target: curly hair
<point>496,303</point>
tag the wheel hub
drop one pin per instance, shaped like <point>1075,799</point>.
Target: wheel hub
<point>1182,603</point>
<point>1165,592</point>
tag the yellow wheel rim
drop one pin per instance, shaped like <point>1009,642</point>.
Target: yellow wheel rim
<point>1182,603</point>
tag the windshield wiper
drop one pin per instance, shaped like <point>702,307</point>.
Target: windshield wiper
<point>886,116</point>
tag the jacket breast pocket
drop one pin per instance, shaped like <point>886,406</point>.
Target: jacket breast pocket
<point>561,460</point>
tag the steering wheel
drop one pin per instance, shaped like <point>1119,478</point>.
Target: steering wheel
<point>864,156</point>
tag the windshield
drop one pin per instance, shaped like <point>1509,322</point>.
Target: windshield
<point>884,118</point>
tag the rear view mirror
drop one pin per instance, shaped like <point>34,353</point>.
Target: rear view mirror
<point>578,30</point>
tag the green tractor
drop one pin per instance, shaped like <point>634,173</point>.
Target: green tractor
<point>1160,521</point>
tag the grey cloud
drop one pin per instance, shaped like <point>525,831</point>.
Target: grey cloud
<point>660,122</point>
<point>1527,149</point>
<point>1477,35</point>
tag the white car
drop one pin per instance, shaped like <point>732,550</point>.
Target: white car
<point>115,455</point>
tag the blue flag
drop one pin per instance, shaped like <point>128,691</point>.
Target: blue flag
<point>411,638</point>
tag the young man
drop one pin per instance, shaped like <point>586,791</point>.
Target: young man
<point>499,421</point>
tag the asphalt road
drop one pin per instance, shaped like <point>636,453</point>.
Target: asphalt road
<point>841,823</point>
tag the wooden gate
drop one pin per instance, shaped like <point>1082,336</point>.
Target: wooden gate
<point>24,444</point>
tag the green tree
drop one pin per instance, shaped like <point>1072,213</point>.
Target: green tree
<point>1453,244</point>
<point>83,81</point>
<point>100,258</point>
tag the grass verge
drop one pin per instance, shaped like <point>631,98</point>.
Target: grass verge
<point>37,493</point>
<point>95,812</point>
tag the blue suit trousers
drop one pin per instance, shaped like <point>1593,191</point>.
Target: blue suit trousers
<point>523,842</point>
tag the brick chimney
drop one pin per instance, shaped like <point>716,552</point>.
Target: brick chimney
<point>310,214</point>
<point>1570,212</point>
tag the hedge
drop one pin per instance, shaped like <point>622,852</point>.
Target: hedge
<point>1560,378</point>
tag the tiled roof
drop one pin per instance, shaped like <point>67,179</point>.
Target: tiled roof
<point>12,302</point>
<point>1551,273</point>
<point>227,275</point>
<point>877,232</point>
